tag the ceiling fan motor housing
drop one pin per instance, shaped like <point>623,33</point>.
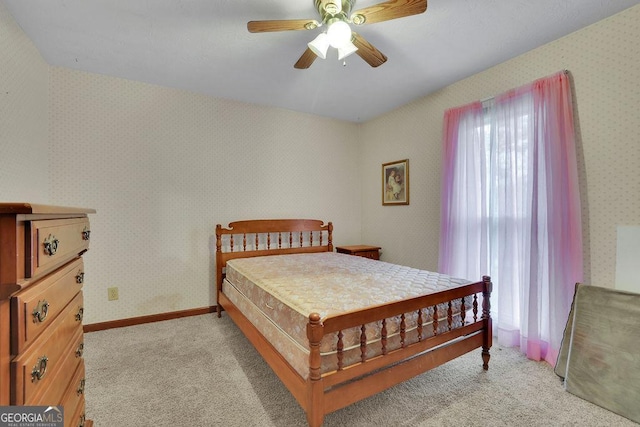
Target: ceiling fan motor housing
<point>330,9</point>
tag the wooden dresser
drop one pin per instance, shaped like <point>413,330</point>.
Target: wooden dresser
<point>372,252</point>
<point>41,307</point>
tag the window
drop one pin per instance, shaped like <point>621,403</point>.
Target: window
<point>511,209</point>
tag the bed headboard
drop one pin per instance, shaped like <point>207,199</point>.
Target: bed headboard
<point>242,239</point>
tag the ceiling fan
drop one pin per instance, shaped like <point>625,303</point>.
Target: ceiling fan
<point>336,16</point>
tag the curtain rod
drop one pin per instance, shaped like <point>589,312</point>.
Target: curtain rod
<point>489,98</point>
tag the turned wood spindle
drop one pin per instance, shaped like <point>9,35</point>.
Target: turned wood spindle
<point>383,336</point>
<point>244,242</point>
<point>231,242</point>
<point>450,316</point>
<point>340,348</point>
<point>419,324</point>
<point>475,308</point>
<point>363,343</point>
<point>256,247</point>
<point>463,311</point>
<point>403,329</point>
<point>268,240</point>
<point>314,334</point>
<point>486,302</point>
<point>435,320</point>
<point>486,317</point>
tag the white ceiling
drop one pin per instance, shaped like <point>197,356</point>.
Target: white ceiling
<point>204,46</point>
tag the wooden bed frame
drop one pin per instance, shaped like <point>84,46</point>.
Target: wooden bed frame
<point>321,394</point>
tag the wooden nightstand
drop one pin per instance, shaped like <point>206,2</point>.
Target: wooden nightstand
<point>372,252</point>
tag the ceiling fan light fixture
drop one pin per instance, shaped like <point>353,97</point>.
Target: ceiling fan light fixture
<point>358,19</point>
<point>346,50</point>
<point>339,34</point>
<point>332,7</point>
<point>320,45</point>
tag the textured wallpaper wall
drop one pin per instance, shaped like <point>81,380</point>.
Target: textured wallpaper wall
<point>24,122</point>
<point>603,61</point>
<point>163,166</point>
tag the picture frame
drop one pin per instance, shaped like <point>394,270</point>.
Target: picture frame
<point>395,183</point>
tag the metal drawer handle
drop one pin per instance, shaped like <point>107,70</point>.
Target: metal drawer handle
<point>80,350</point>
<point>51,245</point>
<point>40,312</point>
<point>80,389</point>
<point>38,371</point>
<point>80,277</point>
<point>80,314</point>
<point>86,233</point>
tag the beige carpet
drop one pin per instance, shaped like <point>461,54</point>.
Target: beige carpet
<point>200,371</point>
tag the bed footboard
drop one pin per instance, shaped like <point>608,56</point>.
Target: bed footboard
<point>347,384</point>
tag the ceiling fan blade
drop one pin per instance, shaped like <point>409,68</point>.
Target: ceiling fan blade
<point>305,60</point>
<point>368,52</point>
<point>281,25</point>
<point>391,9</point>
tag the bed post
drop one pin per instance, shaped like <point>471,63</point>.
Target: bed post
<point>486,316</point>
<point>315,410</point>
<point>330,236</point>
<point>218,268</point>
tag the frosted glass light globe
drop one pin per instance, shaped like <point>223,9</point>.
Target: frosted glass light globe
<point>339,34</point>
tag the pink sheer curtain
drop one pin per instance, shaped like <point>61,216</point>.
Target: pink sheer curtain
<point>463,246</point>
<point>514,213</point>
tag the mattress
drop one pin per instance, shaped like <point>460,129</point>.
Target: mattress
<point>278,293</point>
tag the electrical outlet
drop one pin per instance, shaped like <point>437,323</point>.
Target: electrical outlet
<point>112,294</point>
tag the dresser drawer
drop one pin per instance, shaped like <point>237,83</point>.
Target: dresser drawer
<point>370,254</point>
<point>78,419</point>
<point>34,309</point>
<point>55,392</point>
<point>73,399</point>
<point>35,370</point>
<point>54,242</point>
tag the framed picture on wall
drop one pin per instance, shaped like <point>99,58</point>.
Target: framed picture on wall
<point>395,183</point>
